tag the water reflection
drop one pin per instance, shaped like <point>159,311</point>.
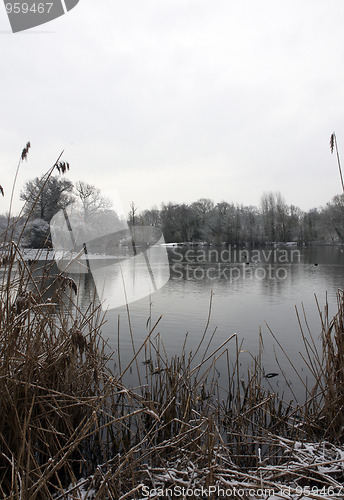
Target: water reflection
<point>239,305</point>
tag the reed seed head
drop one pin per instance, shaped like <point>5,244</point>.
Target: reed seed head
<point>62,167</point>
<point>25,151</point>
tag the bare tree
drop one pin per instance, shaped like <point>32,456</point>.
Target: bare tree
<point>44,198</point>
<point>91,199</point>
<point>334,214</point>
<point>132,213</point>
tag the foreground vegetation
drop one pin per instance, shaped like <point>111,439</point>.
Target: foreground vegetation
<point>66,416</point>
<point>71,428</point>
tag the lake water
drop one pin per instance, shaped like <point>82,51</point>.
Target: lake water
<point>249,288</point>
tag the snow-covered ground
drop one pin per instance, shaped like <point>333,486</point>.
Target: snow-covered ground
<point>314,471</point>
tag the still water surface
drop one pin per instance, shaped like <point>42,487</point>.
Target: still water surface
<point>249,290</point>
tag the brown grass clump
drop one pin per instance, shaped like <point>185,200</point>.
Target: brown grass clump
<point>53,385</point>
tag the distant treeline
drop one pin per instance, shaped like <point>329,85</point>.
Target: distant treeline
<point>229,223</point>
<point>202,221</point>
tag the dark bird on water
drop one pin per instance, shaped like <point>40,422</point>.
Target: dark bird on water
<point>271,375</point>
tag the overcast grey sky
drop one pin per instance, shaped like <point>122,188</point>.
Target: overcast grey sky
<point>174,100</point>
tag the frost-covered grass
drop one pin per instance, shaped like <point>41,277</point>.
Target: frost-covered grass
<point>314,471</point>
